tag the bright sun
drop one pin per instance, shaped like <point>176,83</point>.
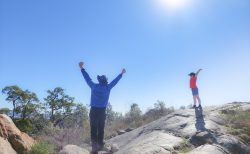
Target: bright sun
<point>173,5</point>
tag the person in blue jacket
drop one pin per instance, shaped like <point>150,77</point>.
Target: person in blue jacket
<point>99,99</point>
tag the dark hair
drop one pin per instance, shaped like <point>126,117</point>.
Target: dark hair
<point>191,74</point>
<point>102,79</point>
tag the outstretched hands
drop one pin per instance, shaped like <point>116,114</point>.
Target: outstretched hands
<point>81,64</point>
<point>198,72</point>
<point>123,71</point>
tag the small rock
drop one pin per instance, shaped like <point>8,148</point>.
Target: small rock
<point>73,149</point>
<point>129,129</point>
<point>107,148</point>
<point>120,132</point>
<point>114,148</point>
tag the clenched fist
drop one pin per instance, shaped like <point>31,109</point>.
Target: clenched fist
<point>123,71</point>
<point>81,65</point>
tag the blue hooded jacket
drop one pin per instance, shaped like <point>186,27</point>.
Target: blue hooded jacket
<point>99,92</point>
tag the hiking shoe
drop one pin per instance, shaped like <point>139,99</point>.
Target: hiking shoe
<point>100,147</point>
<point>94,148</point>
<point>94,152</point>
<point>193,106</point>
<point>199,106</point>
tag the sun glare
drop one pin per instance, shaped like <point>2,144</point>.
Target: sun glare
<point>173,5</point>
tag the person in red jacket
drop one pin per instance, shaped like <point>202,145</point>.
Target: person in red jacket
<point>194,88</point>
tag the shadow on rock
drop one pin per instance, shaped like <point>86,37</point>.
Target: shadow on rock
<point>200,123</point>
<point>202,136</point>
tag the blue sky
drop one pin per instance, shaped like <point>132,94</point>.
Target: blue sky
<point>41,43</point>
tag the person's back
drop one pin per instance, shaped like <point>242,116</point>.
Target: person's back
<point>100,92</point>
<point>99,99</point>
<point>100,95</point>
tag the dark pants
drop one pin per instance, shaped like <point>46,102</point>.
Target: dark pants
<point>97,124</point>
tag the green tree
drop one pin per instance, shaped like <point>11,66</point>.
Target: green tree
<point>59,104</point>
<point>13,95</point>
<point>134,114</point>
<point>78,118</point>
<point>28,104</point>
<point>135,111</point>
<point>4,110</point>
<point>111,115</point>
<point>160,108</point>
<point>81,115</point>
<point>158,111</point>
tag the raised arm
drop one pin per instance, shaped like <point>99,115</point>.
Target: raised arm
<point>116,80</point>
<point>86,75</point>
<point>197,73</point>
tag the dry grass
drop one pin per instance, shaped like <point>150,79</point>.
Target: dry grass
<point>184,147</point>
<point>238,124</point>
<point>59,137</point>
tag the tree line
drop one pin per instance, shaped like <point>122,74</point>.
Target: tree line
<point>55,108</point>
<point>61,110</point>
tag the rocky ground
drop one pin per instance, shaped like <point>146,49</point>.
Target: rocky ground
<point>192,131</point>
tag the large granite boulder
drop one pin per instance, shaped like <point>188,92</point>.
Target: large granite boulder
<point>202,130</point>
<point>192,131</point>
<point>21,142</point>
<point>5,147</point>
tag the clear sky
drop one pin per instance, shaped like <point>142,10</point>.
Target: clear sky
<point>158,41</point>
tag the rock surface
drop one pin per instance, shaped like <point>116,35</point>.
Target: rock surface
<point>20,141</point>
<point>199,131</point>
<point>202,130</point>
<point>208,149</point>
<point>5,147</point>
<point>73,149</point>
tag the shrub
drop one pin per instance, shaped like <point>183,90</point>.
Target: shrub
<point>42,148</point>
<point>238,123</point>
<point>4,110</point>
<point>25,125</point>
<point>59,137</point>
<point>184,147</point>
